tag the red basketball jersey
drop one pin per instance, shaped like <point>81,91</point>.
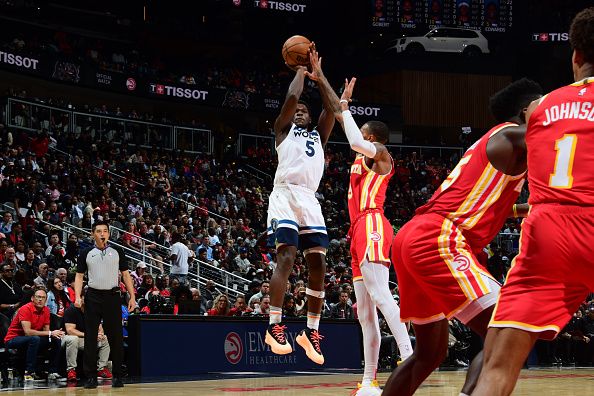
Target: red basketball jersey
<point>367,189</point>
<point>475,196</point>
<point>560,141</point>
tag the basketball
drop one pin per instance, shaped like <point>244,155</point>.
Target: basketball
<point>296,51</point>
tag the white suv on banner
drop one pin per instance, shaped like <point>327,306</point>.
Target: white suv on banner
<point>445,39</point>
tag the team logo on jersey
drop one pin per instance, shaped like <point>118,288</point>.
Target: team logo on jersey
<point>582,91</point>
<point>375,236</point>
<point>274,224</point>
<point>233,348</point>
<point>462,263</point>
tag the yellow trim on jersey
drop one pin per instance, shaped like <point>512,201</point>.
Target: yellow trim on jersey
<point>491,199</point>
<point>445,253</point>
<point>375,190</point>
<point>358,278</point>
<point>433,318</point>
<point>380,230</point>
<point>585,81</point>
<point>369,230</point>
<point>524,326</point>
<point>365,190</point>
<point>476,193</point>
<point>365,164</point>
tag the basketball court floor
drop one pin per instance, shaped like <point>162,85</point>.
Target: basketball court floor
<point>533,382</point>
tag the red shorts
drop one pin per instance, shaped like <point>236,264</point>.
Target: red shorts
<point>438,275</point>
<point>552,274</point>
<point>371,239</point>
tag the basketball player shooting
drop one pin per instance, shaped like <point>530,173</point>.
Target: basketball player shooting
<point>371,232</point>
<point>295,219</point>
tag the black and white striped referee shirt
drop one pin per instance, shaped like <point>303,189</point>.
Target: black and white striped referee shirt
<point>102,266</point>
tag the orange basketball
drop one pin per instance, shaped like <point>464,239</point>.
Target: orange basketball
<point>296,51</point>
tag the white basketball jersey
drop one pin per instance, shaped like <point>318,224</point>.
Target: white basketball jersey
<point>300,159</point>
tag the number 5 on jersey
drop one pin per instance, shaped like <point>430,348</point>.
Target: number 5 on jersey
<point>562,176</point>
<point>455,173</point>
<point>310,148</point>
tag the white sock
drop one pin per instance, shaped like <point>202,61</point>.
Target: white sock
<point>375,278</point>
<point>367,314</point>
<point>276,315</point>
<point>313,320</point>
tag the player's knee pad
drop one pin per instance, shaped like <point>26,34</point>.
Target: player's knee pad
<point>315,293</point>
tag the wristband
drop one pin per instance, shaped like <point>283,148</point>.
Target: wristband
<point>49,335</point>
<point>343,101</point>
<point>515,210</point>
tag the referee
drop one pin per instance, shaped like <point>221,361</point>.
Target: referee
<point>102,301</point>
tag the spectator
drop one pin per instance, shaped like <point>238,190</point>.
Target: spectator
<point>10,293</point>
<point>29,330</point>
<point>180,258</point>
<point>220,307</point>
<point>10,256</point>
<point>54,240</point>
<point>6,223</point>
<point>74,341</point>
<point>343,310</point>
<point>205,245</point>
<point>241,260</point>
<point>209,292</point>
<point>138,273</point>
<point>197,297</point>
<point>240,307</point>
<point>146,286</point>
<point>289,310</point>
<point>264,308</point>
<point>57,299</point>
<point>42,274</point>
<point>264,289</point>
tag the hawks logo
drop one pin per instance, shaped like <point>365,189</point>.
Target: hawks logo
<point>375,236</point>
<point>462,263</point>
<point>233,348</point>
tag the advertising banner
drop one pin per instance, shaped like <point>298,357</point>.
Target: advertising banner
<point>189,347</point>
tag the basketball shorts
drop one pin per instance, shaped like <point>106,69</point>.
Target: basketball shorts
<point>371,240</point>
<point>438,275</point>
<point>553,273</point>
<point>295,218</point>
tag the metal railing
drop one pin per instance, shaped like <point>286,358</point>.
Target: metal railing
<point>34,116</point>
<point>198,274</point>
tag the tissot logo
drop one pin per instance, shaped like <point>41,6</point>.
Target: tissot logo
<point>550,36</point>
<point>18,61</point>
<point>233,348</point>
<point>279,5</point>
<point>178,92</point>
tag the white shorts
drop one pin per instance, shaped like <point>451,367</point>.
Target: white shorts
<point>479,305</point>
<point>295,218</point>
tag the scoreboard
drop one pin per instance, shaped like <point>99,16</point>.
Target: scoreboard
<point>487,15</point>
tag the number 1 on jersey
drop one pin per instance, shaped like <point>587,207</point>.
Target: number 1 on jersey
<point>562,176</point>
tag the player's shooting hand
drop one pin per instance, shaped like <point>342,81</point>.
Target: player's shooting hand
<point>347,93</point>
<point>315,62</point>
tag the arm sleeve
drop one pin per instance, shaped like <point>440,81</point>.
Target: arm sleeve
<point>355,138</point>
<point>81,265</point>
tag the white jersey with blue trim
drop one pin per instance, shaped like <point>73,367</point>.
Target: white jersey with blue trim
<point>300,159</point>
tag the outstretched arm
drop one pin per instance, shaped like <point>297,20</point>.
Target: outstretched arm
<point>329,98</point>
<point>283,121</point>
<point>351,129</point>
